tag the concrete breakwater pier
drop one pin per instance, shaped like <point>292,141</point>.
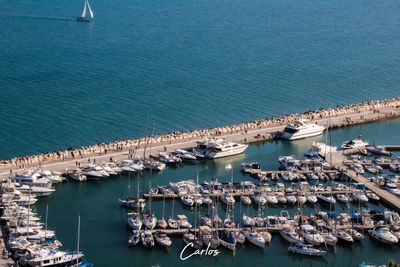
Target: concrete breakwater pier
<point>247,132</point>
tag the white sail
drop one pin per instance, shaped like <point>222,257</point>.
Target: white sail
<point>84,11</point>
<point>90,10</point>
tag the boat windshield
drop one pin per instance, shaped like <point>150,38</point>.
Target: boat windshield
<point>290,130</point>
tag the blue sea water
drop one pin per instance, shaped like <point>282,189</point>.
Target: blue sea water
<point>184,64</point>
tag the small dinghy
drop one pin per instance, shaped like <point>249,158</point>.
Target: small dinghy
<point>303,249</point>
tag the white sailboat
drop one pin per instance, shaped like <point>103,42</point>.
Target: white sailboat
<point>87,14</point>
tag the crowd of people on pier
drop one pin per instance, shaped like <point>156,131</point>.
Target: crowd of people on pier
<point>172,137</point>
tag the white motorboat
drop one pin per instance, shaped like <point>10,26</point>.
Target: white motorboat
<point>110,170</point>
<point>149,220</point>
<point>135,238</point>
<point>258,199</point>
<point>248,221</point>
<point>185,155</point>
<point>218,148</point>
<point>342,198</point>
<point>361,197</point>
<point>271,199</point>
<point>32,180</point>
<point>355,234</point>
<point>343,236</point>
<point>35,190</point>
<point>131,166</point>
<point>227,198</point>
<point>183,222</point>
<point>302,200</point>
<point>281,198</point>
<point>187,200</point>
<point>134,221</point>
<point>207,200</point>
<point>245,200</point>
<point>312,199</point>
<point>152,164</point>
<point>358,168</point>
<point>290,199</point>
<point>392,217</point>
<point>356,143</point>
<point>311,235</point>
<point>308,250</point>
<point>330,239</point>
<point>198,201</point>
<point>77,175</point>
<point>254,238</point>
<point>55,177</point>
<point>290,235</point>
<point>372,196</point>
<point>51,257</point>
<point>329,199</point>
<point>394,167</point>
<point>169,159</point>
<point>301,129</point>
<point>288,176</point>
<point>162,239</point>
<point>133,203</point>
<point>382,233</point>
<point>147,239</point>
<point>392,188</point>
<point>94,172</point>
<point>371,169</point>
<point>172,223</point>
<point>251,168</point>
<point>259,221</point>
<point>266,235</point>
<point>289,162</point>
<point>379,150</point>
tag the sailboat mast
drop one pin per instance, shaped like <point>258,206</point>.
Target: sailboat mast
<point>173,202</point>
<point>78,236</point>
<point>137,196</point>
<point>47,214</point>
<point>151,174</point>
<point>129,184</point>
<point>163,208</point>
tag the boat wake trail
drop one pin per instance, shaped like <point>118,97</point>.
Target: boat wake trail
<point>38,17</point>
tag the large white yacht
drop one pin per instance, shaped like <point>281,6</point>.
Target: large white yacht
<point>301,129</point>
<point>218,148</point>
